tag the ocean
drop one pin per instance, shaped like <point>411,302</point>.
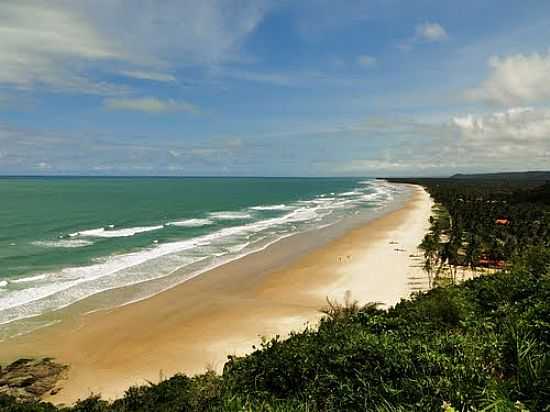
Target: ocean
<point>65,239</point>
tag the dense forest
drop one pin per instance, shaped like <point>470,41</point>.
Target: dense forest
<point>479,345</point>
<point>485,222</point>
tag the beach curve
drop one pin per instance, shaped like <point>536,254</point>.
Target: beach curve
<point>225,311</point>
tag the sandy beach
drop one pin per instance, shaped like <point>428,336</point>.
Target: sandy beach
<point>225,311</point>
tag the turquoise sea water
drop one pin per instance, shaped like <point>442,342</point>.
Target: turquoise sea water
<point>64,239</point>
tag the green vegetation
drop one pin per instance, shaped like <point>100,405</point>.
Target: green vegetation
<point>484,223</point>
<point>482,345</point>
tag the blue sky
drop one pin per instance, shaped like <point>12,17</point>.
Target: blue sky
<point>274,88</point>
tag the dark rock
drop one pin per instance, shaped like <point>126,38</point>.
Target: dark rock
<point>55,391</point>
<point>29,379</point>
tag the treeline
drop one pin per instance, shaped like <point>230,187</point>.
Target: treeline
<point>485,222</point>
<point>482,345</point>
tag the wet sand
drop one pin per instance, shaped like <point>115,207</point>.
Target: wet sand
<point>225,311</point>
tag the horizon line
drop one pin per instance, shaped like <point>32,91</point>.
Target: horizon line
<point>3,176</point>
<point>188,176</point>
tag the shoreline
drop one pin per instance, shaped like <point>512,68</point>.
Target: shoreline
<point>225,311</point>
<point>281,249</point>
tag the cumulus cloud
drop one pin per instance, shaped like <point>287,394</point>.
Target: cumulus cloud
<point>431,32</point>
<point>514,139</point>
<point>516,79</point>
<point>521,125</point>
<point>149,105</point>
<point>366,60</point>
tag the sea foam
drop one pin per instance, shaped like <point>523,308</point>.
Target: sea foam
<point>230,215</point>
<point>54,290</point>
<point>63,243</point>
<point>126,232</point>
<point>191,223</point>
<point>29,279</point>
<point>270,207</point>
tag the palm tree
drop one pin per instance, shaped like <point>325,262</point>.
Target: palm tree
<point>473,252</point>
<point>430,247</point>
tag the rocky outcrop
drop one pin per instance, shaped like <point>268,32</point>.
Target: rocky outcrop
<point>30,379</point>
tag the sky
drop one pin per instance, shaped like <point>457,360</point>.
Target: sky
<point>274,88</point>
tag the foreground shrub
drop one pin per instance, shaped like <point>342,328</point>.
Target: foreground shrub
<point>483,345</point>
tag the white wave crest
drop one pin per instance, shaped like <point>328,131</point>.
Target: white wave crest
<point>191,223</point>
<point>126,232</point>
<point>346,194</point>
<point>29,279</point>
<point>270,207</point>
<point>75,283</point>
<point>63,243</point>
<point>230,215</point>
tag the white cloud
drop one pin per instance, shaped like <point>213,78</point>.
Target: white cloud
<point>60,44</point>
<point>38,42</point>
<point>366,61</point>
<point>432,32</point>
<point>429,32</point>
<point>516,79</point>
<point>145,75</point>
<point>178,31</point>
<point>515,139</point>
<point>521,125</point>
<point>149,105</point>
